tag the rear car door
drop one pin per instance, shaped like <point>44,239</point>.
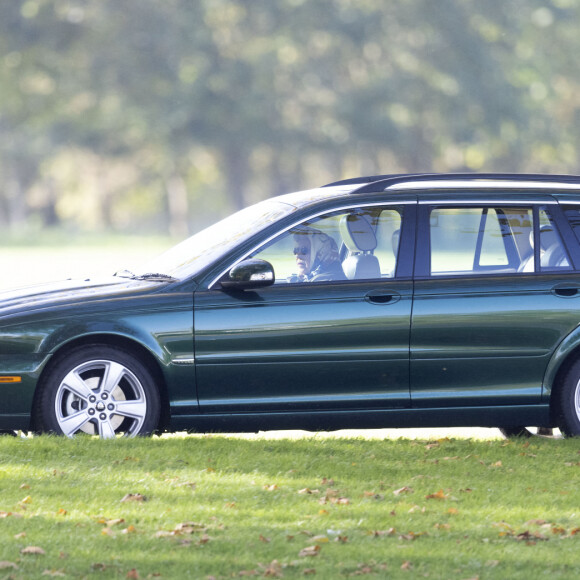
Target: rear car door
<point>495,288</point>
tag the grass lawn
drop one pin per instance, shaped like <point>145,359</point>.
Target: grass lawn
<point>226,506</point>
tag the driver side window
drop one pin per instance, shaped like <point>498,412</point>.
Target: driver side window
<point>347,245</point>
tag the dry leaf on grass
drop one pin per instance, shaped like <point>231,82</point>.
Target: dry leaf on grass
<point>134,497</point>
<point>309,551</point>
<point>4,565</point>
<point>33,550</point>
<point>437,495</point>
<point>404,489</point>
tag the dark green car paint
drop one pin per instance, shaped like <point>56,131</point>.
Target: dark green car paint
<point>156,317</point>
<point>439,351</point>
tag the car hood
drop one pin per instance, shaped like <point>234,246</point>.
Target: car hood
<point>52,294</point>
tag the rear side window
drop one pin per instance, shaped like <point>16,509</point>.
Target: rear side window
<point>487,240</point>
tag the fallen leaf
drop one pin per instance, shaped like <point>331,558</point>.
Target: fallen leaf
<point>20,535</point>
<point>264,539</point>
<point>309,551</point>
<point>33,550</point>
<point>4,565</point>
<point>308,491</point>
<point>389,532</point>
<point>273,570</point>
<point>309,571</point>
<point>404,489</point>
<point>437,495</point>
<point>406,565</point>
<point>27,499</point>
<point>129,530</point>
<point>271,487</point>
<point>190,484</point>
<point>111,523</point>
<point>133,574</point>
<point>319,539</point>
<point>24,486</point>
<point>61,512</point>
<point>134,497</point>
<point>442,526</point>
<point>53,573</point>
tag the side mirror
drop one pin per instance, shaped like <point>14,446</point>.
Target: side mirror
<point>249,274</point>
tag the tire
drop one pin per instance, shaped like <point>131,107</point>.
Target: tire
<point>98,390</point>
<point>568,401</point>
<point>526,432</point>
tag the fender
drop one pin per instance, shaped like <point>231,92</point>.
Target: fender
<point>559,357</point>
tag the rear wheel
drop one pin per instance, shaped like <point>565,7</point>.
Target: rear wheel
<point>525,432</point>
<point>98,390</point>
<point>569,402</point>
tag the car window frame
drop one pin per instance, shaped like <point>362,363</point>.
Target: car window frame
<point>569,239</point>
<point>548,203</point>
<point>406,252</point>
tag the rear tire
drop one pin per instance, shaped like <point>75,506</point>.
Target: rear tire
<point>98,390</point>
<point>527,432</point>
<point>568,402</point>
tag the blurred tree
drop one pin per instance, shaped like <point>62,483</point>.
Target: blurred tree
<point>159,115</point>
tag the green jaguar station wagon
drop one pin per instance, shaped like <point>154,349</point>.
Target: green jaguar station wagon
<point>385,301</point>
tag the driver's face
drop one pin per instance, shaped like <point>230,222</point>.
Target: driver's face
<point>302,253</point>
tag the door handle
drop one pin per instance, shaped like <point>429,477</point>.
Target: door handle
<point>566,291</point>
<point>382,297</point>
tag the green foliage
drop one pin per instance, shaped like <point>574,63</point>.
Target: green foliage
<point>222,507</point>
<point>178,102</point>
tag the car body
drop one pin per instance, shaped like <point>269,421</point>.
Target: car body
<point>383,301</point>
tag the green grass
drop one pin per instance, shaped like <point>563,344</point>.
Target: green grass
<point>499,509</point>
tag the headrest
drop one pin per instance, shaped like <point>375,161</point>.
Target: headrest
<point>357,233</point>
<point>548,237</point>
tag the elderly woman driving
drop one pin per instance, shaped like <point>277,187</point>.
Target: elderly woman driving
<point>317,256</point>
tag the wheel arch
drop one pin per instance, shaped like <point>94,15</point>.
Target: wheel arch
<point>565,356</point>
<point>123,343</point>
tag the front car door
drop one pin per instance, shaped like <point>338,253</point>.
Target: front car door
<point>495,284</point>
<point>332,332</point>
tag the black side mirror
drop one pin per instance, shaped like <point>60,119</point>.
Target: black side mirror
<point>249,275</point>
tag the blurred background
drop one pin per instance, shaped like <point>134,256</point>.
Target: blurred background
<point>127,125</point>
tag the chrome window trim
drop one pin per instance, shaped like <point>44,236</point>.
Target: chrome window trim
<point>481,184</point>
<point>482,202</point>
<point>313,216</point>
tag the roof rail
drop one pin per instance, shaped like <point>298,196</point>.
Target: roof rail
<point>381,182</point>
<point>368,179</point>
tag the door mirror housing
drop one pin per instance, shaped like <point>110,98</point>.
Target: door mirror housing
<point>249,275</point>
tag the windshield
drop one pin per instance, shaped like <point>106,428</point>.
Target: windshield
<point>195,253</point>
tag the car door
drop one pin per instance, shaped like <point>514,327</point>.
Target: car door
<point>321,342</point>
<point>495,286</point>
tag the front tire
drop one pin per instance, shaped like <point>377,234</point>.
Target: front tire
<point>98,390</point>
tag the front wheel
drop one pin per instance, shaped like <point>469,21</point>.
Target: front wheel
<point>98,390</point>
